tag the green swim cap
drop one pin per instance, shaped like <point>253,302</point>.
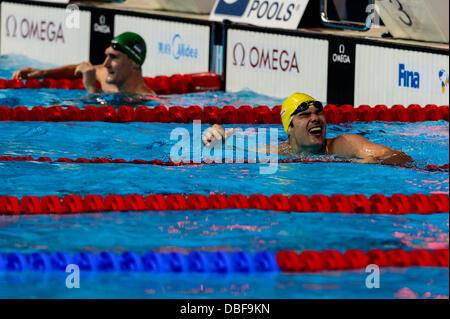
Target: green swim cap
<point>132,45</point>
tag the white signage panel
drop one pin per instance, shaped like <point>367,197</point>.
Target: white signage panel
<point>416,19</point>
<point>172,47</point>
<point>51,35</point>
<point>285,14</point>
<point>276,65</point>
<point>393,76</point>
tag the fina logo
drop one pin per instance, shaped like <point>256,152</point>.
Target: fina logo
<point>443,77</point>
<point>409,79</point>
<point>232,7</point>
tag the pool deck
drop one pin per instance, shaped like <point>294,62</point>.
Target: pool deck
<point>146,6</point>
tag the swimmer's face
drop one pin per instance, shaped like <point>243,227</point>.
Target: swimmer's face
<point>308,129</point>
<point>118,65</point>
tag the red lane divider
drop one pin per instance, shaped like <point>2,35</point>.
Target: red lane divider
<point>431,168</point>
<point>244,114</point>
<point>175,84</point>
<point>311,260</point>
<point>397,204</point>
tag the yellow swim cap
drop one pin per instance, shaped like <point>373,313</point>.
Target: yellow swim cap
<point>290,105</point>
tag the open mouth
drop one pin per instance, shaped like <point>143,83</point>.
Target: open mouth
<point>316,131</point>
<point>110,75</point>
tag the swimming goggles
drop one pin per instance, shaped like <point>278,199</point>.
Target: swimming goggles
<point>117,46</point>
<point>306,105</point>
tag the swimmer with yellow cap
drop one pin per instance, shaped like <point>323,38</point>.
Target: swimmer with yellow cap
<point>304,122</point>
<point>120,72</point>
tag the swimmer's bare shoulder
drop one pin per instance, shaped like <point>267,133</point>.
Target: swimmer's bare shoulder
<point>358,147</point>
<point>343,145</point>
<point>353,145</point>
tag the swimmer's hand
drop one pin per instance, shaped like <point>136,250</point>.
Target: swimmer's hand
<point>87,70</point>
<point>215,133</point>
<point>28,73</point>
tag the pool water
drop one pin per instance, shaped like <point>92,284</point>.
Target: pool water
<point>210,230</point>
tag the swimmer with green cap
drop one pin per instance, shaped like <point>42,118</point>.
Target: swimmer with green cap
<point>120,72</point>
<point>304,122</point>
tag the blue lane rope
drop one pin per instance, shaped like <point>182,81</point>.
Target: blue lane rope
<point>174,262</point>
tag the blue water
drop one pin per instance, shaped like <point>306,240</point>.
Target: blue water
<point>227,230</point>
<point>426,142</point>
<point>411,282</point>
<point>20,179</point>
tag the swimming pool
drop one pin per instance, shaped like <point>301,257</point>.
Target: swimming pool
<point>228,230</point>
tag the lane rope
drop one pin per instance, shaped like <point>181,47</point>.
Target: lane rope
<point>397,204</point>
<point>174,84</point>
<point>157,162</point>
<point>311,260</point>
<point>228,114</point>
<point>224,262</point>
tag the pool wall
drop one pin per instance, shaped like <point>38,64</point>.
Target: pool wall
<point>350,69</point>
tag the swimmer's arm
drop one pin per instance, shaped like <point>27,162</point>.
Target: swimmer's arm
<point>364,151</point>
<point>89,74</point>
<point>100,72</point>
<point>63,72</point>
<point>216,132</point>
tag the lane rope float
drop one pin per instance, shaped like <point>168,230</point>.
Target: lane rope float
<point>157,162</point>
<point>174,84</point>
<point>228,114</point>
<point>397,204</point>
<point>224,262</point>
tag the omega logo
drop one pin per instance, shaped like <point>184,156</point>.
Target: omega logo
<point>265,59</point>
<point>341,57</point>
<point>42,30</point>
<point>102,27</point>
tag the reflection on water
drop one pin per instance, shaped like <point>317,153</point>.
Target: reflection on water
<point>412,282</point>
<point>8,101</point>
<point>111,99</point>
<point>118,99</point>
<point>80,98</point>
